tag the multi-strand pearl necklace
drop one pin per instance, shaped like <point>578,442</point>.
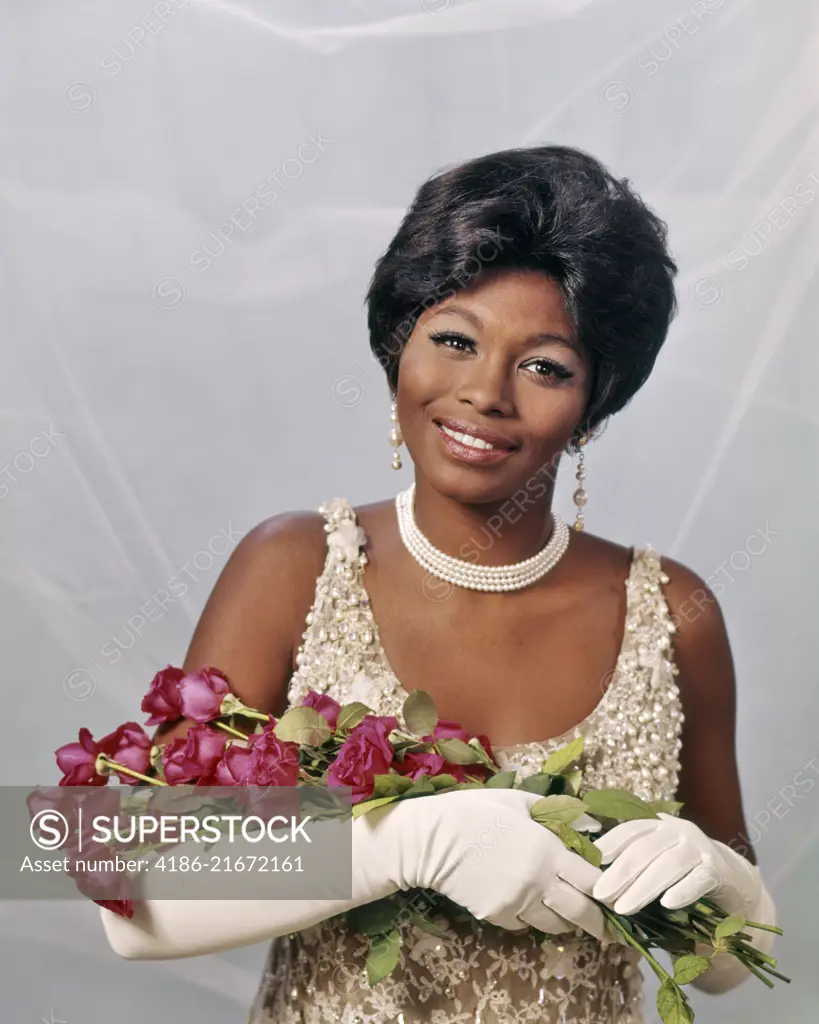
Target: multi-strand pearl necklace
<point>467,574</point>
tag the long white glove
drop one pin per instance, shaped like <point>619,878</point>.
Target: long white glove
<point>480,848</point>
<point>673,857</point>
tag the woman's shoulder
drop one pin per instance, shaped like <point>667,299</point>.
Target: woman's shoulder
<point>679,580</point>
<point>291,544</point>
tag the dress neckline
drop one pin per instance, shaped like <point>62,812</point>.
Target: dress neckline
<point>617,676</point>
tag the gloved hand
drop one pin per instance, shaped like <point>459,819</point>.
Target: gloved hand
<point>478,847</point>
<point>674,857</point>
<point>487,854</point>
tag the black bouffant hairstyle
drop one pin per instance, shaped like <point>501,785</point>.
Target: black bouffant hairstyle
<point>553,209</point>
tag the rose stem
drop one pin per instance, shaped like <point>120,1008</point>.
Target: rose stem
<point>230,729</point>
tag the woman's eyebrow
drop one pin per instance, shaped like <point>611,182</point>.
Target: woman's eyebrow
<point>569,343</point>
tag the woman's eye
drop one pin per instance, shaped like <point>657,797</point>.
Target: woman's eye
<point>446,337</point>
<point>548,370</point>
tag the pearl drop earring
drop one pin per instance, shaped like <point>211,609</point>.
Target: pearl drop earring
<point>580,496</point>
<point>396,437</point>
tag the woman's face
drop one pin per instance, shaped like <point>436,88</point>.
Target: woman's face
<point>501,356</point>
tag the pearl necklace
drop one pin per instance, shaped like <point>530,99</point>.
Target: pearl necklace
<point>467,574</point>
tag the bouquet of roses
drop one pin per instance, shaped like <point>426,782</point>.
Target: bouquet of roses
<point>321,743</point>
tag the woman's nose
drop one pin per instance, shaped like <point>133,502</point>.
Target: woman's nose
<point>487,388</point>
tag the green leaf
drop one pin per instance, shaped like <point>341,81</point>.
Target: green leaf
<point>231,705</point>
<point>689,967</point>
<point>479,748</point>
<point>425,924</point>
<point>374,918</point>
<point>579,843</point>
<point>156,760</point>
<point>302,725</point>
<point>677,916</point>
<point>390,784</point>
<point>557,808</point>
<point>730,926</point>
<point>420,787</point>
<point>573,780</point>
<point>457,751</point>
<point>442,781</point>
<point>666,806</point>
<point>537,783</point>
<point>383,956</point>
<point>503,780</point>
<point>419,713</point>
<point>559,760</point>
<point>616,803</point>
<point>351,714</point>
<point>368,805</point>
<point>672,1005</point>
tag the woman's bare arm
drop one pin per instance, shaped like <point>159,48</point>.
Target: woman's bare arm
<point>253,619</point>
<point>709,777</point>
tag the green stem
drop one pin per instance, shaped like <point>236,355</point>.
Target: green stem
<point>658,969</point>
<point>776,974</point>
<point>116,766</point>
<point>764,927</point>
<point>751,950</point>
<point>230,729</point>
<point>759,974</point>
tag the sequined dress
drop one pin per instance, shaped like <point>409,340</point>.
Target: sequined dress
<point>478,973</point>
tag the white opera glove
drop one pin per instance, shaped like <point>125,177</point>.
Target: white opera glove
<point>488,855</point>
<point>674,859</point>
<point>480,848</point>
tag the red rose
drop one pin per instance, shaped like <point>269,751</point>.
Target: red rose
<point>162,700</point>
<point>103,883</point>
<point>130,745</point>
<point>325,705</point>
<point>364,754</point>
<point>125,908</point>
<point>449,729</point>
<point>193,755</point>
<point>76,761</point>
<point>422,763</point>
<point>267,761</point>
<point>200,694</point>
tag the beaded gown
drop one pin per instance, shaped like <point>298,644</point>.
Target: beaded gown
<point>477,973</point>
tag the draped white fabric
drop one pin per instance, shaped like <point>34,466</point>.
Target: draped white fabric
<point>192,197</point>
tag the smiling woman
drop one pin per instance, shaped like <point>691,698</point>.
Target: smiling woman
<point>522,302</point>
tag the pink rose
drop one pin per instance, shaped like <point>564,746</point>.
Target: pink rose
<point>325,705</point>
<point>78,808</point>
<point>102,884</point>
<point>76,761</point>
<point>125,908</point>
<point>200,694</point>
<point>364,754</point>
<point>162,700</point>
<point>130,745</point>
<point>193,755</point>
<point>267,761</point>
<point>449,729</point>
<point>422,763</point>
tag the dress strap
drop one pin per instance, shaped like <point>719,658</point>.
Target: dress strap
<point>345,538</point>
<point>650,615</point>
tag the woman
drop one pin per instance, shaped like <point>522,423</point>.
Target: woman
<point>522,302</point>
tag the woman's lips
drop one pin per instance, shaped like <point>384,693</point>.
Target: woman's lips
<point>466,453</point>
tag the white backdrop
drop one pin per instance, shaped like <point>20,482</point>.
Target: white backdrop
<point>193,195</point>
